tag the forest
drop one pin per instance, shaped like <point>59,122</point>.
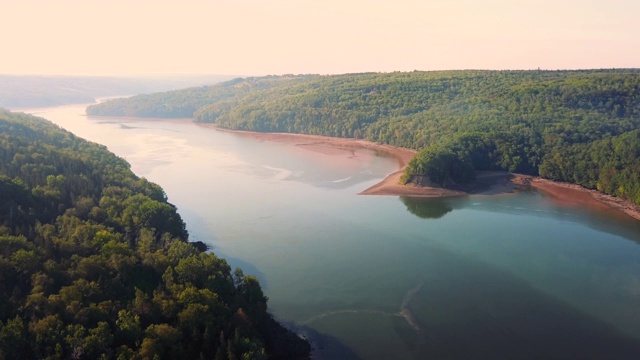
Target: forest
<point>577,126</point>
<point>96,264</point>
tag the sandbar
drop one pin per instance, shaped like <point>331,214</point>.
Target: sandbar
<point>486,182</point>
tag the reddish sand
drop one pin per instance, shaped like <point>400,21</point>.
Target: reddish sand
<point>486,183</point>
<point>575,195</point>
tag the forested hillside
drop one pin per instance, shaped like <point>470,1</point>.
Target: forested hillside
<point>574,126</point>
<point>184,103</point>
<point>95,263</point>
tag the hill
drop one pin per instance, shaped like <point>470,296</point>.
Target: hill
<point>574,126</point>
<point>95,263</point>
<point>25,91</point>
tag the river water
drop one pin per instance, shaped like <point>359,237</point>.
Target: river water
<point>515,276</point>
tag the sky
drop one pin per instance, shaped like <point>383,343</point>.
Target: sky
<point>263,37</point>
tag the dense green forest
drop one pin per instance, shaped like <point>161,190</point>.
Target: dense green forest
<point>574,126</point>
<point>95,263</point>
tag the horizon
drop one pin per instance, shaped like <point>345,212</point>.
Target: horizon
<point>167,75</point>
<point>275,37</point>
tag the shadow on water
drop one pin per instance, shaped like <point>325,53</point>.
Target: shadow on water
<point>199,231</point>
<point>427,208</point>
<point>323,346</point>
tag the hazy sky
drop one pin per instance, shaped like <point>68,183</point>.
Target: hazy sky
<point>259,37</point>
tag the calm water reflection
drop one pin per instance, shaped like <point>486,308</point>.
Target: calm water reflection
<point>367,277</point>
<point>427,208</point>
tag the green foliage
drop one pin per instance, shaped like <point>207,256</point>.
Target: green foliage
<point>611,165</point>
<point>442,166</point>
<point>564,125</point>
<point>95,264</point>
<point>184,103</point>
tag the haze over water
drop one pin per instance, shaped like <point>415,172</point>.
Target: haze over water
<point>510,276</point>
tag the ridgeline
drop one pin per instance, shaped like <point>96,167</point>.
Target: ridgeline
<point>29,91</point>
<point>580,126</point>
<point>95,263</point>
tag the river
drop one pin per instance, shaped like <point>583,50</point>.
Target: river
<point>515,276</point>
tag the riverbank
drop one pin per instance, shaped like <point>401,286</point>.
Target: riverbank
<point>326,144</point>
<point>486,182</point>
<point>500,183</point>
<point>573,195</point>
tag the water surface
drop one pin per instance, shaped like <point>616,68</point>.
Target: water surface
<point>499,277</point>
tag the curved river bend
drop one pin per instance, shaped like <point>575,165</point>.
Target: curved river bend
<point>365,277</point>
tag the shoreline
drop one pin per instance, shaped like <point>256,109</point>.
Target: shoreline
<point>401,155</point>
<point>488,183</point>
<point>573,195</point>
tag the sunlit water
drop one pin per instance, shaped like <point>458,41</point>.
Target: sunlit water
<point>511,276</point>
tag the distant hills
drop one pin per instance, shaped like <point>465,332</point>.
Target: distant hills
<point>576,126</point>
<point>17,91</point>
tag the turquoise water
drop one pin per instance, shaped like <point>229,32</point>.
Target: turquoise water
<point>381,277</point>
